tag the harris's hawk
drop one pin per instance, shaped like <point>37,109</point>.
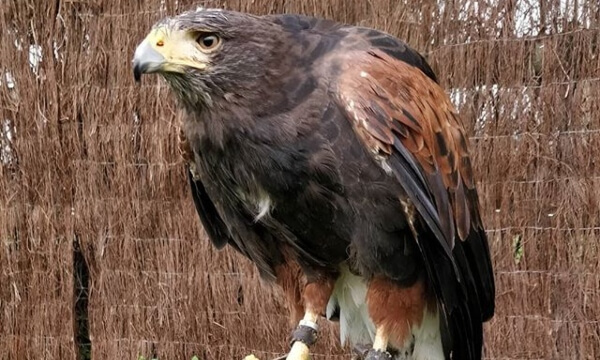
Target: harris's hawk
<point>330,157</point>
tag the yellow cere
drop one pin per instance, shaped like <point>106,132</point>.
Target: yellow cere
<point>178,47</point>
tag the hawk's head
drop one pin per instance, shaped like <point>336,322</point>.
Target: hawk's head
<point>209,52</point>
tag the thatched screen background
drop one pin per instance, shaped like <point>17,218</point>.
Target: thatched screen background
<point>99,241</point>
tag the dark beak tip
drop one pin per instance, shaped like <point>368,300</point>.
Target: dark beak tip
<point>137,73</point>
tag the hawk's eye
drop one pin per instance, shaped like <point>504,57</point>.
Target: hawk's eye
<point>208,41</point>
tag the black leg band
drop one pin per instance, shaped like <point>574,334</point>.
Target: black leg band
<point>304,334</point>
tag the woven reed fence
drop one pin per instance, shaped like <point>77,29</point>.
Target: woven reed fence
<point>101,251</point>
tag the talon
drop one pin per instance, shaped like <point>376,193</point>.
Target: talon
<point>360,351</point>
<point>374,354</point>
<point>380,346</point>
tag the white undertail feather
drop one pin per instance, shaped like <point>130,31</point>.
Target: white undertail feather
<point>356,327</point>
<point>349,294</point>
<point>428,339</point>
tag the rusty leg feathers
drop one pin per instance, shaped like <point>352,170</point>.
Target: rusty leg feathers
<point>316,296</point>
<point>395,311</point>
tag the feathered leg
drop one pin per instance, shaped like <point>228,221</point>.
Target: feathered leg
<point>291,280</point>
<point>395,311</point>
<point>316,296</point>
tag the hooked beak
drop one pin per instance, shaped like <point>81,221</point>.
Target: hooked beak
<point>146,60</point>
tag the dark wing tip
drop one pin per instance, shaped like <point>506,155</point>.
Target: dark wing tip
<point>211,221</point>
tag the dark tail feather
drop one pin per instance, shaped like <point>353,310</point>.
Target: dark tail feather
<point>458,300</point>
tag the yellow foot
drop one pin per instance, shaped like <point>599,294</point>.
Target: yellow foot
<point>299,351</point>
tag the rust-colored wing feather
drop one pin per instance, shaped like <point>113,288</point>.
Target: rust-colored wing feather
<point>405,119</point>
<point>397,102</point>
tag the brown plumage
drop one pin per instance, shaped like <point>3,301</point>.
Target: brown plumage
<point>329,156</point>
<point>411,108</point>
